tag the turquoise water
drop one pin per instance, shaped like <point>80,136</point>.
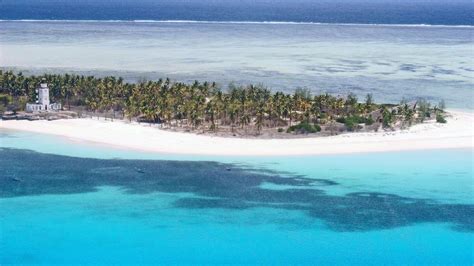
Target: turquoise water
<point>87,204</point>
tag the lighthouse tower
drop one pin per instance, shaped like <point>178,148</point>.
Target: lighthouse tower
<point>42,103</point>
<point>42,96</point>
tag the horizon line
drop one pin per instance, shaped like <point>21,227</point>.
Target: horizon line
<point>235,22</point>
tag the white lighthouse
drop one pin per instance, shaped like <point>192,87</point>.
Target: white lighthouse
<point>43,95</point>
<point>42,100</point>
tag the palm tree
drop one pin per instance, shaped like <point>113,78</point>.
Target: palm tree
<point>369,101</point>
<point>183,105</point>
<point>387,117</point>
<point>211,113</point>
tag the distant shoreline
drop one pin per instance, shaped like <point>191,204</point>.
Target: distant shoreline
<point>457,133</point>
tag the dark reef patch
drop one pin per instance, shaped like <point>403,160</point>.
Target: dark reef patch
<point>410,67</point>
<point>25,173</point>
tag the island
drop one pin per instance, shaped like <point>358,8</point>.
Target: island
<point>241,120</point>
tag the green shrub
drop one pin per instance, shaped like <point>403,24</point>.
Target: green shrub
<point>440,119</point>
<point>369,121</point>
<point>280,130</point>
<point>304,128</point>
<point>359,119</point>
<point>350,124</point>
<point>355,119</point>
<point>5,99</point>
<point>317,127</point>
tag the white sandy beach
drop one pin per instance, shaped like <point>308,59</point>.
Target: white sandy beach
<point>457,133</point>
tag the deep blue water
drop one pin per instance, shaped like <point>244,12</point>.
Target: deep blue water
<point>65,202</point>
<point>432,12</point>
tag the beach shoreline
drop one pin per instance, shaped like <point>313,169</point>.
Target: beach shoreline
<point>457,133</point>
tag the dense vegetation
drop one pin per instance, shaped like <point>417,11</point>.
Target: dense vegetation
<point>205,106</point>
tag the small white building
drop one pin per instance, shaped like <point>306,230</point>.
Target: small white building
<point>42,100</point>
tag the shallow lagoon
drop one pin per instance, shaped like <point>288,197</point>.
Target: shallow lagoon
<point>391,62</point>
<point>406,207</point>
